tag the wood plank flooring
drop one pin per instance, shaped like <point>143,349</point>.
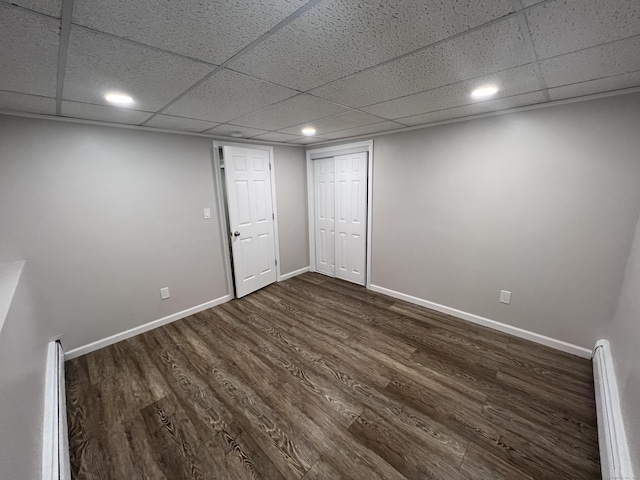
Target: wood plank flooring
<point>317,378</point>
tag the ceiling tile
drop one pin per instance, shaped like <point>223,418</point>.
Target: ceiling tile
<point>48,7</point>
<point>29,52</point>
<point>210,31</point>
<point>98,63</point>
<point>475,109</point>
<point>597,62</point>
<point>608,84</point>
<point>308,140</point>
<point>497,47</point>
<point>528,3</point>
<point>367,129</point>
<point>226,130</point>
<point>293,111</point>
<point>337,38</point>
<point>20,102</point>
<point>277,137</point>
<point>336,122</point>
<point>179,123</point>
<point>102,113</point>
<point>511,82</point>
<point>227,95</point>
<point>564,26</point>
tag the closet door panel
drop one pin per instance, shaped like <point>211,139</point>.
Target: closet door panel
<point>350,222</point>
<point>324,187</point>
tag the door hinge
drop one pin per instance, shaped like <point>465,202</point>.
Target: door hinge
<point>269,165</point>
<point>276,261</point>
<point>273,216</point>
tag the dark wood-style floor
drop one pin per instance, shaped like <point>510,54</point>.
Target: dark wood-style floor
<point>316,378</point>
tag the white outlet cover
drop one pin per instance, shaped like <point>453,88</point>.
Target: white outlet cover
<point>207,213</point>
<point>505,296</point>
<point>164,293</point>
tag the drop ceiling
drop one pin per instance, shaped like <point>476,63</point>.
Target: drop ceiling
<point>268,68</point>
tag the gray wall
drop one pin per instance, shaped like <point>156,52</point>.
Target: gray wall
<point>291,191</point>
<point>107,216</point>
<point>624,335</point>
<point>23,351</point>
<point>542,203</point>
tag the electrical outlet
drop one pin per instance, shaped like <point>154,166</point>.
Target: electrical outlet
<point>505,297</point>
<point>164,293</point>
<point>207,213</point>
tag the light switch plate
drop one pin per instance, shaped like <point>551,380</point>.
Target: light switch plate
<point>207,213</point>
<point>164,293</point>
<point>505,297</point>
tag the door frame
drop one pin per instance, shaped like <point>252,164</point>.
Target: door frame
<point>222,202</point>
<point>332,151</point>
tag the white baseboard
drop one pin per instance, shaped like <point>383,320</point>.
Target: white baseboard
<point>294,273</point>
<point>614,451</point>
<point>77,352</point>
<point>486,322</point>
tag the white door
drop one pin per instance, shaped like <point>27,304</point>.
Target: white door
<point>324,189</point>
<point>248,181</point>
<point>351,217</point>
<point>340,189</point>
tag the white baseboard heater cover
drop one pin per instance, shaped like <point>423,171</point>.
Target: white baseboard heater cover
<point>614,452</point>
<point>55,442</point>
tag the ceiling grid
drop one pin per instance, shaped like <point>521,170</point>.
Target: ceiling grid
<point>268,69</point>
<point>65,32</point>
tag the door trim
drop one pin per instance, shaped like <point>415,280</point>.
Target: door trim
<point>316,153</point>
<point>222,217</point>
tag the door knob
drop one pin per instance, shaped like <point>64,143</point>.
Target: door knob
<point>236,234</point>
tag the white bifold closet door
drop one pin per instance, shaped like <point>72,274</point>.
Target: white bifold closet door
<point>340,185</point>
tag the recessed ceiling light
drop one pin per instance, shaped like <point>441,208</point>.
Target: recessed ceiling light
<point>236,134</point>
<point>484,91</point>
<point>309,131</point>
<point>118,98</point>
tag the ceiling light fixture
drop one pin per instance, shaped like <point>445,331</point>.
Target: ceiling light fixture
<point>118,98</point>
<point>484,91</point>
<point>309,131</point>
<point>236,134</point>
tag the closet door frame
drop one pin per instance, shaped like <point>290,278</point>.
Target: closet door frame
<point>332,151</point>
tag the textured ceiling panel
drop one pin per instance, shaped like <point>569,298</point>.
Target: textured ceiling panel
<point>20,102</point>
<point>528,3</point>
<point>617,82</point>
<point>210,31</point>
<point>597,62</point>
<point>308,140</point>
<point>98,63</point>
<point>179,123</point>
<point>277,137</point>
<point>511,82</point>
<point>497,47</point>
<point>226,130</point>
<point>367,129</point>
<point>303,108</point>
<point>48,7</point>
<point>28,52</point>
<point>475,109</point>
<point>337,38</point>
<point>337,122</point>
<point>227,95</point>
<point>567,25</point>
<point>102,113</point>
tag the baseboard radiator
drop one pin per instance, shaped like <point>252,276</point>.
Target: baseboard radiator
<point>55,441</point>
<point>614,452</point>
